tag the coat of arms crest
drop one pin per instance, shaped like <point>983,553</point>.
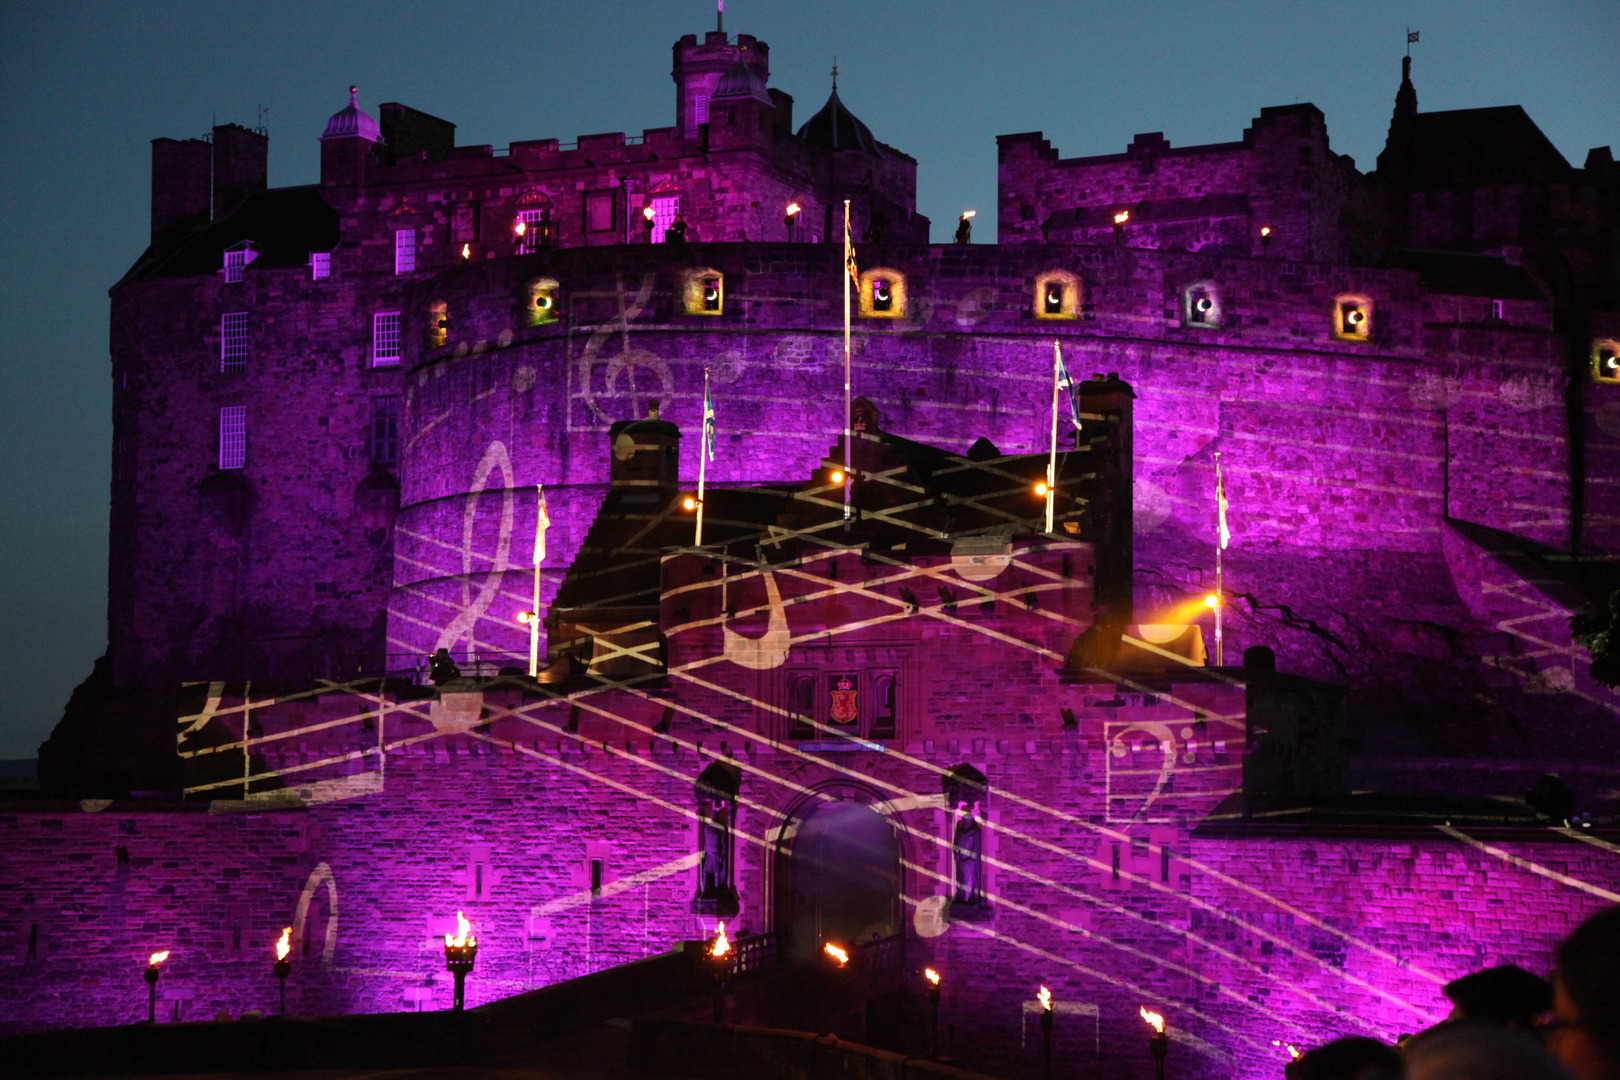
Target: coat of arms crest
<point>844,709</point>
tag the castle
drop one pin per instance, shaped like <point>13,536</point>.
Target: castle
<point>334,407</point>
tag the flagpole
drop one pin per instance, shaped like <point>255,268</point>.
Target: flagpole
<point>539,556</point>
<point>703,459</point>
<point>1051,463</point>
<point>849,428</point>
<point>1220,543</point>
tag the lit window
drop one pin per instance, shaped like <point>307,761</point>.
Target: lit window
<point>711,294</point>
<point>1053,298</point>
<point>233,437</point>
<point>665,210</point>
<point>385,338</point>
<point>233,341</point>
<point>599,211</point>
<point>533,230</point>
<point>1352,318</point>
<point>320,264</point>
<point>882,295</point>
<point>1057,295</point>
<point>704,292</point>
<point>542,302</point>
<point>1201,305</point>
<point>404,251</point>
<point>234,262</point>
<point>1606,361</point>
<point>438,324</point>
<point>385,430</point>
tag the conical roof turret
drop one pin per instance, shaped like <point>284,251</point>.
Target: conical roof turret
<point>352,121</point>
<point>836,128</point>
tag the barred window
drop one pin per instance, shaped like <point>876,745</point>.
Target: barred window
<point>404,251</point>
<point>320,264</point>
<point>385,430</point>
<point>233,437</point>
<point>700,108</point>
<point>385,338</point>
<point>233,341</point>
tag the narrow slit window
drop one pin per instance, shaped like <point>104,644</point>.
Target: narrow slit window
<point>711,294</point>
<point>233,341</point>
<point>700,109</point>
<point>1496,311</point>
<point>385,338</point>
<point>233,437</point>
<point>404,251</point>
<point>385,430</point>
<point>883,706</point>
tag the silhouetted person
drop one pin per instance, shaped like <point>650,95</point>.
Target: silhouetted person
<point>964,230</point>
<point>1506,995</point>
<point>1552,798</point>
<point>1354,1058</point>
<point>444,669</point>
<point>1585,1031</point>
<point>1479,1051</point>
<point>676,233</point>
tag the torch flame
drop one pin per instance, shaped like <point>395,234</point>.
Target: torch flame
<point>158,958</point>
<point>837,954</point>
<point>284,946</point>
<point>792,208</point>
<point>521,227</point>
<point>1046,999</point>
<point>1122,217</point>
<point>466,251</point>
<point>721,945</point>
<point>1153,1018</point>
<point>933,976</point>
<point>1265,230</point>
<point>1293,1051</point>
<point>969,213</point>
<point>647,212</point>
<point>463,936</point>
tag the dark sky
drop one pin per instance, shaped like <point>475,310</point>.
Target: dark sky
<point>84,87</point>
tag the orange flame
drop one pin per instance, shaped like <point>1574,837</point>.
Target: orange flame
<point>793,208</point>
<point>1046,999</point>
<point>1265,230</point>
<point>521,227</point>
<point>1293,1051</point>
<point>284,946</point>
<point>466,251</point>
<point>837,954</point>
<point>647,212</point>
<point>158,958</point>
<point>933,976</point>
<point>1153,1018</point>
<point>463,936</point>
<point>721,945</point>
<point>1122,217</point>
<point>969,213</point>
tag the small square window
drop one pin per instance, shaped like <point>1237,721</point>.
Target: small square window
<point>1054,298</point>
<point>320,265</point>
<point>385,338</point>
<point>385,430</point>
<point>1352,318</point>
<point>882,295</point>
<point>233,437</point>
<point>404,251</point>
<point>233,341</point>
<point>1606,362</point>
<point>599,211</point>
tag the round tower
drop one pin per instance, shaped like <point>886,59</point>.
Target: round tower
<point>699,69</point>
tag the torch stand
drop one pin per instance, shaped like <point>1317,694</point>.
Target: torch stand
<point>1046,1040</point>
<point>722,968</point>
<point>458,960</point>
<point>1159,1043</point>
<point>282,969</point>
<point>933,1040</point>
<point>151,976</point>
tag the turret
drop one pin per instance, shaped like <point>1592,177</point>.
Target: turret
<point>348,144</point>
<point>699,69</point>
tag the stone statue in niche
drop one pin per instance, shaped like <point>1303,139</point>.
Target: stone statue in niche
<point>968,845</point>
<point>716,818</point>
<point>715,867</point>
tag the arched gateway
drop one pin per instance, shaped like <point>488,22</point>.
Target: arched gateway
<point>838,878</point>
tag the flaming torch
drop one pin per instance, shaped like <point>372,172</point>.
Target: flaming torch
<point>1265,239</point>
<point>1159,1042</point>
<point>720,957</point>
<point>1293,1051</point>
<point>647,215</point>
<point>1119,226</point>
<point>840,956</point>
<point>792,218</point>
<point>933,1000</point>
<point>460,950</point>
<point>283,966</point>
<point>1046,1027</point>
<point>151,976</point>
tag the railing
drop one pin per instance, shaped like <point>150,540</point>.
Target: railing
<point>477,663</point>
<point>755,952</point>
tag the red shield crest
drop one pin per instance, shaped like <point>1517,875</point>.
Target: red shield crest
<point>844,708</point>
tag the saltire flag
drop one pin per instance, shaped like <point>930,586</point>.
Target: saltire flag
<point>1220,507</point>
<point>1065,382</point>
<point>708,420</point>
<point>542,522</point>
<point>1411,37</point>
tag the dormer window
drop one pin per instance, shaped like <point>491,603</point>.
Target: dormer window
<point>1200,305</point>
<point>1352,318</point>
<point>1057,295</point>
<point>1606,361</point>
<point>882,294</point>
<point>320,265</point>
<point>704,292</point>
<point>237,257</point>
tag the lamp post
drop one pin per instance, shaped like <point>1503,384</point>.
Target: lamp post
<point>460,950</point>
<point>933,1001</point>
<point>720,962</point>
<point>151,976</point>
<point>647,222</point>
<point>1046,1028</point>
<point>1159,1041</point>
<point>283,966</point>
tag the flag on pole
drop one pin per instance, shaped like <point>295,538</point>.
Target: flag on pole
<point>1220,506</point>
<point>1065,382</point>
<point>849,255</point>
<point>708,417</point>
<point>542,522</point>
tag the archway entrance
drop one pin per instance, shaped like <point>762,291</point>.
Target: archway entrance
<point>840,879</point>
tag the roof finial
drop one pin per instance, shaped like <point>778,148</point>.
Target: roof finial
<point>354,94</point>
<point>835,72</point>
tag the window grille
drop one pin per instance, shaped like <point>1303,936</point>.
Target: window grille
<point>385,430</point>
<point>665,210</point>
<point>404,251</point>
<point>233,341</point>
<point>320,264</point>
<point>700,109</point>
<point>234,263</point>
<point>536,231</point>
<point>385,338</point>
<point>233,437</point>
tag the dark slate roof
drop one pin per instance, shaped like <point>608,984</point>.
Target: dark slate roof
<point>1457,273</point>
<point>739,82</point>
<point>285,225</point>
<point>836,128</point>
<point>1479,147</point>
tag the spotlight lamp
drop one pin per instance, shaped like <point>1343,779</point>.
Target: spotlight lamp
<point>1212,601</point>
<point>1041,489</point>
<point>689,503</point>
<point>526,617</point>
<point>837,476</point>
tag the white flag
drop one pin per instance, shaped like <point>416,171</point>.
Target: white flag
<point>542,522</point>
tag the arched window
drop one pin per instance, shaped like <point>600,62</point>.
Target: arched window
<point>1057,295</point>
<point>539,302</point>
<point>1201,304</point>
<point>967,806</point>
<point>716,792</point>
<point>534,227</point>
<point>1352,317</point>
<point>883,294</point>
<point>703,292</point>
